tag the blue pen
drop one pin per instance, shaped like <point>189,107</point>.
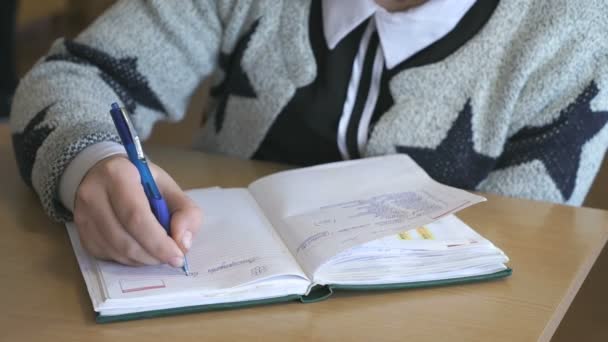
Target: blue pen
<point>136,155</point>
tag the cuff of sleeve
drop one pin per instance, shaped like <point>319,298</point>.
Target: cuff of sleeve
<point>80,165</point>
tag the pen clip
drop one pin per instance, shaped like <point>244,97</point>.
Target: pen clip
<point>131,130</point>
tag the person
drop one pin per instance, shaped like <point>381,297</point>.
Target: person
<point>506,97</point>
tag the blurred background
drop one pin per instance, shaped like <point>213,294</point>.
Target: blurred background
<point>28,27</point>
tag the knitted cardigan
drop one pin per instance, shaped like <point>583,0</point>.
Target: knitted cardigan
<point>520,109</point>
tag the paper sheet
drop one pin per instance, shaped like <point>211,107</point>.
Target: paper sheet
<point>322,211</point>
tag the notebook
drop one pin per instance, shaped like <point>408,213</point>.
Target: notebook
<point>369,224</point>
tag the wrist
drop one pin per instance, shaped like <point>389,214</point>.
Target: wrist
<point>80,166</point>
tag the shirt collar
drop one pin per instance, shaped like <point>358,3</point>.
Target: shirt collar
<point>402,34</point>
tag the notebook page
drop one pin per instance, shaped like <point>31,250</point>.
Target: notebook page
<point>323,210</point>
<point>447,245</point>
<point>235,246</point>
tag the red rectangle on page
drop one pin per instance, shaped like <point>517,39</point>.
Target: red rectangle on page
<point>141,285</point>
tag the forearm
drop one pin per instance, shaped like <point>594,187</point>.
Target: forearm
<point>150,56</point>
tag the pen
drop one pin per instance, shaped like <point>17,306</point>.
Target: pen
<point>130,140</point>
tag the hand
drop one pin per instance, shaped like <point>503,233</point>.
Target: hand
<point>114,220</point>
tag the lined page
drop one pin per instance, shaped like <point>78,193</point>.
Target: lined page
<point>235,246</point>
<point>323,210</point>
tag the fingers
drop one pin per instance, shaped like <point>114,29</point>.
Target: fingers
<point>132,210</point>
<point>114,220</point>
<point>186,216</point>
<point>120,245</point>
<point>185,224</point>
<point>87,223</point>
<point>100,232</point>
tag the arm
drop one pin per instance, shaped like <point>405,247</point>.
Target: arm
<point>150,55</point>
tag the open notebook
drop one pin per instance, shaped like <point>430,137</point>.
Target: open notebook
<point>375,223</point>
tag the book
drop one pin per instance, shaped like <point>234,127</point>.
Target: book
<point>369,224</point>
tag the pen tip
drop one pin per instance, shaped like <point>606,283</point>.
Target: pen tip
<point>115,105</point>
<point>186,268</point>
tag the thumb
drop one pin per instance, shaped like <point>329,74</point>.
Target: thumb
<point>186,216</point>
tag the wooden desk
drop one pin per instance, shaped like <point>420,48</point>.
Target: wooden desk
<point>552,248</point>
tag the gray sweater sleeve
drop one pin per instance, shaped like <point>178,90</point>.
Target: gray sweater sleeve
<point>557,153</point>
<point>148,55</point>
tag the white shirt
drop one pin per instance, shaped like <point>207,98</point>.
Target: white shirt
<point>401,35</point>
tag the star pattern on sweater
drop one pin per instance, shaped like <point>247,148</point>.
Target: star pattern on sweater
<point>121,74</point>
<point>27,143</point>
<point>235,82</point>
<point>559,144</point>
<point>454,161</point>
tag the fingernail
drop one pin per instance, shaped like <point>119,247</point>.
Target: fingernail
<point>187,239</point>
<point>176,262</point>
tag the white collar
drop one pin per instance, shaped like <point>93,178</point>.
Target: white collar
<point>402,34</point>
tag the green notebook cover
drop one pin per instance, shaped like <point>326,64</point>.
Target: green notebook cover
<point>317,294</point>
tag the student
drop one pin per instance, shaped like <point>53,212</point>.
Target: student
<point>505,96</point>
